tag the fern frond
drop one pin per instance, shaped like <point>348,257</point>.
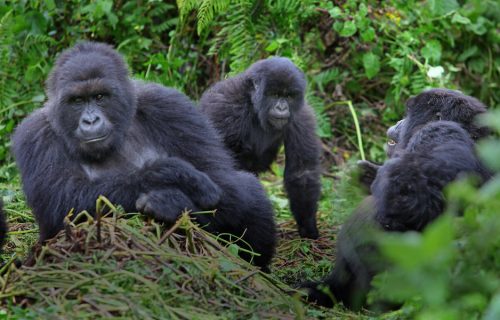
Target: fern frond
<point>207,10</point>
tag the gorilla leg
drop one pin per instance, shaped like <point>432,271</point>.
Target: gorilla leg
<point>244,211</point>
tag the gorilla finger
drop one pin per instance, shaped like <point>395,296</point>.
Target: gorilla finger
<point>141,202</point>
<point>208,195</point>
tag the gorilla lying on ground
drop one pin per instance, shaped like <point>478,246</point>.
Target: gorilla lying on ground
<point>430,105</point>
<point>258,111</point>
<point>407,196</point>
<point>143,146</point>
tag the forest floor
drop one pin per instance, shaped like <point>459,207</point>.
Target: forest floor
<point>134,268</point>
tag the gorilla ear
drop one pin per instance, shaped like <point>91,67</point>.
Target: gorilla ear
<point>410,102</point>
<point>255,84</point>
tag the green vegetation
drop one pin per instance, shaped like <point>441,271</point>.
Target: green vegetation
<point>363,56</point>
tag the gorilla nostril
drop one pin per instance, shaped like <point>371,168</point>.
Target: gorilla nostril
<point>91,120</point>
<point>281,107</point>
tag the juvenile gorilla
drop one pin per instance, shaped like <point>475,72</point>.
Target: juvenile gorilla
<point>143,146</point>
<point>430,105</point>
<point>258,111</point>
<point>406,196</point>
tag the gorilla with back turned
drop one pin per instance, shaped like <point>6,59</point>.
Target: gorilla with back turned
<point>261,109</point>
<point>430,105</point>
<point>406,196</point>
<point>142,145</point>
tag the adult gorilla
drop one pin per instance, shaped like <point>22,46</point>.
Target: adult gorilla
<point>258,111</point>
<point>143,146</point>
<point>428,106</point>
<point>407,196</point>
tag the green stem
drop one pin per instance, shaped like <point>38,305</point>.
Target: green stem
<point>356,124</point>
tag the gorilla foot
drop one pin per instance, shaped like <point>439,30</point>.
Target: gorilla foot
<point>308,228</point>
<point>317,293</point>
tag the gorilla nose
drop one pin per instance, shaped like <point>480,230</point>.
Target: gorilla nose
<point>91,126</point>
<point>393,132</point>
<point>282,107</point>
<point>90,119</point>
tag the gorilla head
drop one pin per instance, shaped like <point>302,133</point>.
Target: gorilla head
<point>91,99</point>
<point>278,91</point>
<point>429,106</point>
<point>434,105</point>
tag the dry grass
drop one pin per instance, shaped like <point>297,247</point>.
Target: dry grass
<point>116,266</point>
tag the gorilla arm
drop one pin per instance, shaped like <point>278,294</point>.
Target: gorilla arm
<point>302,171</point>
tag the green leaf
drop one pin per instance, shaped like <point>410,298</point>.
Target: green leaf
<point>489,150</point>
<point>335,12</point>
<point>368,35</point>
<point>371,63</point>
<point>349,29</point>
<point>432,51</point>
<point>362,10</point>
<point>458,18</point>
<point>337,26</point>
<point>479,27</point>
<point>273,46</point>
<point>442,7</point>
<point>469,52</point>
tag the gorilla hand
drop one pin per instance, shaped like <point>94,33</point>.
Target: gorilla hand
<point>164,205</point>
<point>180,174</point>
<point>367,172</point>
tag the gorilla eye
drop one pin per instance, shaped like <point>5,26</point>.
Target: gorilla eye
<point>77,100</point>
<point>99,97</point>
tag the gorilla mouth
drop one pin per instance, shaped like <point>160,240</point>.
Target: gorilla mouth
<point>278,122</point>
<point>96,139</point>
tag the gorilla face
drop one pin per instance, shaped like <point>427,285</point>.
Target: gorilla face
<point>435,105</point>
<point>279,105</point>
<point>278,91</point>
<point>393,135</point>
<point>91,105</point>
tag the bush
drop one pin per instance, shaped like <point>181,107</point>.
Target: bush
<point>373,54</point>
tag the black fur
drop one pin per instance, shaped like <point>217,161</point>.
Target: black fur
<point>406,196</point>
<point>144,146</point>
<point>3,226</point>
<point>430,105</point>
<point>258,111</point>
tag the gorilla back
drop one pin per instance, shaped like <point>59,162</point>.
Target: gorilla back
<point>142,145</point>
<point>258,111</point>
